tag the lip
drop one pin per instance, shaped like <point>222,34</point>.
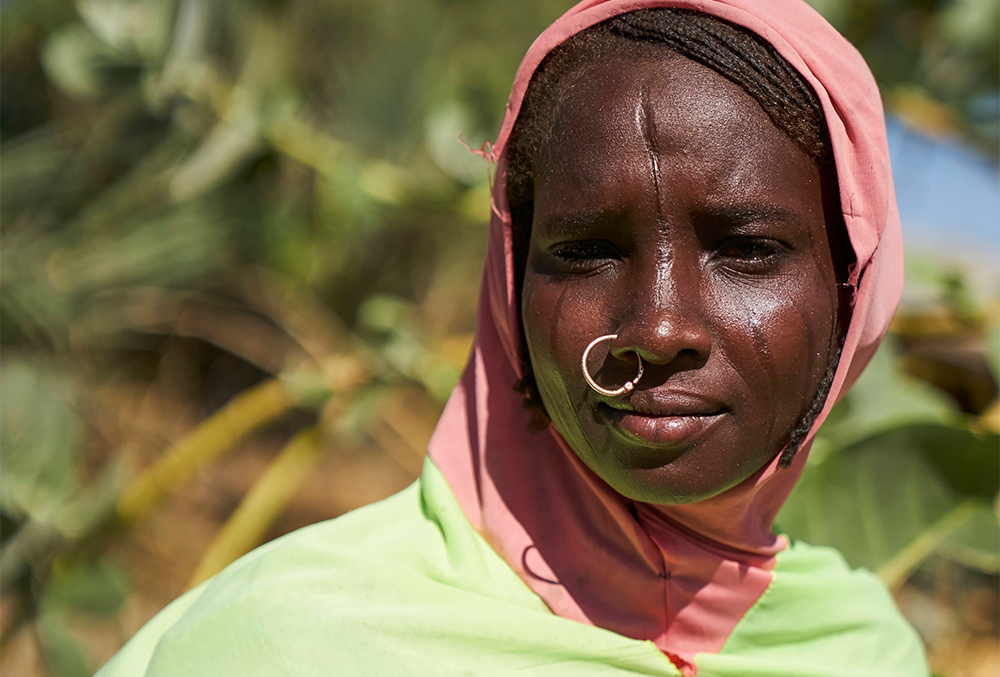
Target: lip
<point>673,420</point>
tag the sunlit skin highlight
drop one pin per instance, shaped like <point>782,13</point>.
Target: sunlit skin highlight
<point>670,210</point>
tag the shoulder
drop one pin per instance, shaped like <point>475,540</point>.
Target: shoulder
<point>270,604</point>
<point>405,585</point>
<point>821,617</point>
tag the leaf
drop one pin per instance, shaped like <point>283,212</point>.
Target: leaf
<point>226,150</point>
<point>307,389</point>
<point>85,586</point>
<point>976,544</point>
<point>384,313</point>
<point>40,436</point>
<point>968,462</point>
<point>60,651</point>
<point>883,398</point>
<point>32,163</point>
<point>81,515</point>
<point>80,64</point>
<point>73,519</point>
<point>160,247</point>
<point>359,412</point>
<point>886,494</point>
<point>131,26</point>
<point>971,23</point>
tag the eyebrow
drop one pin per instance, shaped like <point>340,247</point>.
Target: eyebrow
<point>723,215</point>
<point>566,224</point>
<point>752,212</point>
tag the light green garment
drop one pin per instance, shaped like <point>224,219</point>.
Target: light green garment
<point>407,587</point>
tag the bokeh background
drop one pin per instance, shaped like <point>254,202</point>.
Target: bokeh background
<point>241,248</point>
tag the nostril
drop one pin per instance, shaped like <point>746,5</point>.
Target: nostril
<point>666,342</point>
<point>686,358</point>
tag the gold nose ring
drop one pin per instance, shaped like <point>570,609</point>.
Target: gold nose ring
<point>627,388</point>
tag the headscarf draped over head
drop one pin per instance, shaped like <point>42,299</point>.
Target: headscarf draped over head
<point>679,575</point>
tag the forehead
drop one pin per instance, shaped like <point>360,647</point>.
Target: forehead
<point>611,119</point>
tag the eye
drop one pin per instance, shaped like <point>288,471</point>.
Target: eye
<point>751,254</point>
<point>584,255</point>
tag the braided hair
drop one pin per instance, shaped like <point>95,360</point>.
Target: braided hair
<point>730,50</point>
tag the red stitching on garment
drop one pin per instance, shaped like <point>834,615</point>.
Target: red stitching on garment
<point>687,669</point>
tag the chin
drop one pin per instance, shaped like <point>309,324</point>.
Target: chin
<point>646,487</point>
<point>676,481</point>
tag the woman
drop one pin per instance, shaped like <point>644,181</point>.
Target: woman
<point>694,251</point>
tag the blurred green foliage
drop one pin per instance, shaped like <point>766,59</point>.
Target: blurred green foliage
<point>935,60</point>
<point>283,180</point>
<point>898,473</point>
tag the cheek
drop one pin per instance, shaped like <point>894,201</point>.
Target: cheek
<point>559,322</point>
<point>779,343</point>
<point>552,326</point>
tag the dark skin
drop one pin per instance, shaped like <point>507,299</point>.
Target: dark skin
<point>671,211</point>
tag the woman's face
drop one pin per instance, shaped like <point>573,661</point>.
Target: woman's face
<point>670,210</point>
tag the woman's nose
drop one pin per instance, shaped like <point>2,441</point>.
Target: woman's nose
<point>666,324</point>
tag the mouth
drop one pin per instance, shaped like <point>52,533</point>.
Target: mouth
<point>677,423</point>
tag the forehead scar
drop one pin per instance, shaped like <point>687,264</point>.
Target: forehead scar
<point>647,128</point>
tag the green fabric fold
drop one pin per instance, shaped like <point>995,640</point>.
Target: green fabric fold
<point>407,587</point>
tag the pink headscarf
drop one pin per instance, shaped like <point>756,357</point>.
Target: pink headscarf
<point>681,576</point>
